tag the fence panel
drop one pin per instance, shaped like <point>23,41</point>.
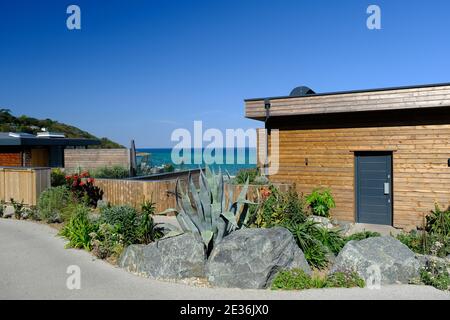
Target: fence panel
<point>23,184</point>
<point>162,192</point>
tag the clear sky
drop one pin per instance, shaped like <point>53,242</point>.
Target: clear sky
<point>139,69</point>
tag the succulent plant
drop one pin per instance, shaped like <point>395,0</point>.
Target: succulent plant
<point>207,210</point>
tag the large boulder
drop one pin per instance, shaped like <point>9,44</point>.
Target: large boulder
<point>395,261</point>
<point>177,257</point>
<point>250,258</point>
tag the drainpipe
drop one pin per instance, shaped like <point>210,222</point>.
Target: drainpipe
<point>266,126</point>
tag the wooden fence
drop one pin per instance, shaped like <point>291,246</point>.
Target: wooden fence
<point>23,184</point>
<point>162,193</point>
<point>135,192</point>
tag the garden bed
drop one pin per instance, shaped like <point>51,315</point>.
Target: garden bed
<point>245,231</point>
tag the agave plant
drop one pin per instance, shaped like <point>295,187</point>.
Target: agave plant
<point>206,210</point>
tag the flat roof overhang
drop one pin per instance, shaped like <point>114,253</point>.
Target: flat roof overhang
<point>72,142</point>
<point>383,99</point>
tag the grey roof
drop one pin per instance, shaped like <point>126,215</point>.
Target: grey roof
<point>31,140</point>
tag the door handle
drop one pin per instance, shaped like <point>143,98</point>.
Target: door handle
<point>387,188</point>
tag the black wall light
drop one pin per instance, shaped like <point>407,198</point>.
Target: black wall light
<point>448,162</point>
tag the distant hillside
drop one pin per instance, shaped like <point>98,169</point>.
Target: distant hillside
<point>10,123</point>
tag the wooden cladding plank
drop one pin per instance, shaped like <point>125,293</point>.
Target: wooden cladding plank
<point>395,99</point>
<point>91,159</point>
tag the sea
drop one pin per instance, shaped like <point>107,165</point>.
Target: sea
<point>227,159</point>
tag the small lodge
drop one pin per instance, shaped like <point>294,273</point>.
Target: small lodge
<point>383,153</point>
<point>45,149</point>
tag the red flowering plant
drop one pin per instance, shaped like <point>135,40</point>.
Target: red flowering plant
<point>83,188</point>
<point>265,192</point>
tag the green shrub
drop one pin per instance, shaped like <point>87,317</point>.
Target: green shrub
<point>316,255</point>
<point>79,228</point>
<point>52,202</point>
<point>434,238</point>
<point>114,172</point>
<point>361,236</point>
<point>30,212</point>
<point>261,180</point>
<point>83,188</point>
<point>68,211</point>
<point>297,279</point>
<point>246,174</point>
<point>344,280</point>
<point>330,238</point>
<point>57,177</point>
<point>125,218</point>
<point>414,241</point>
<point>107,241</point>
<point>436,274</point>
<point>438,222</point>
<point>18,208</point>
<point>276,207</point>
<point>320,202</point>
<point>426,243</point>
<point>316,242</point>
<point>148,207</point>
<point>286,209</point>
<point>148,231</point>
<point>169,167</point>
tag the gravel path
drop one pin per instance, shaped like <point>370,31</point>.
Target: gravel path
<point>33,264</point>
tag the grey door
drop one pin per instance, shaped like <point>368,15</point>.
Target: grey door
<point>374,187</point>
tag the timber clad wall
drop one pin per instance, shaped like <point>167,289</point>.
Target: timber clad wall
<point>10,159</point>
<point>90,159</point>
<point>399,99</point>
<point>319,135</point>
<point>420,171</point>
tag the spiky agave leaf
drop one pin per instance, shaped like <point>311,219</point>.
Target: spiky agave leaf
<point>190,212</point>
<point>186,223</point>
<point>221,229</point>
<point>207,236</point>
<point>230,218</point>
<point>217,205</point>
<point>172,234</point>
<point>205,199</point>
<point>194,192</point>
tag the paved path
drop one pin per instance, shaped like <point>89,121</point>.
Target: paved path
<point>33,265</point>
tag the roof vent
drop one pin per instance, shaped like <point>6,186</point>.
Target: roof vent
<point>301,92</point>
<point>48,134</point>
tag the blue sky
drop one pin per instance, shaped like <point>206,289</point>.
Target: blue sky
<point>139,69</point>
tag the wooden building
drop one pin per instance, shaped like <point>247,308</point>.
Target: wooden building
<point>46,150</point>
<point>384,153</point>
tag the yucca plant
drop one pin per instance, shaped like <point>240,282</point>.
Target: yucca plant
<point>206,210</point>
